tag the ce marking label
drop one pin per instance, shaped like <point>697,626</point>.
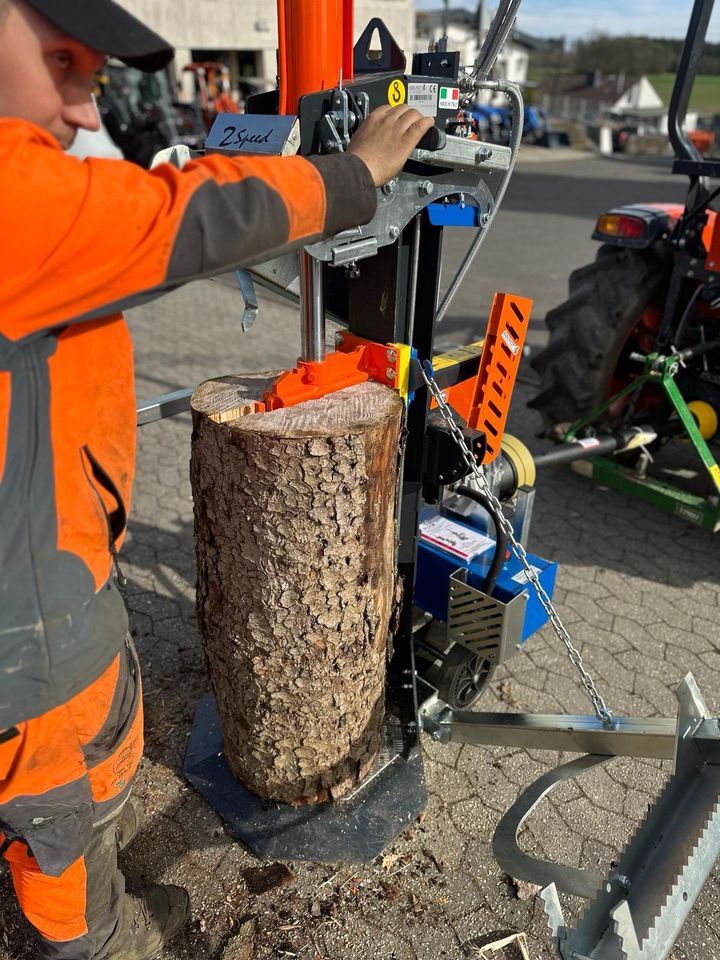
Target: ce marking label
<point>396,93</point>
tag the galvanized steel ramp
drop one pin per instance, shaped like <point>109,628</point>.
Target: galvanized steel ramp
<point>640,909</point>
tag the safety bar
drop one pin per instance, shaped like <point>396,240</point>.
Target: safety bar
<point>685,81</point>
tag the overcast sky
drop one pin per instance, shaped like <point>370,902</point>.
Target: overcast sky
<point>576,18</point>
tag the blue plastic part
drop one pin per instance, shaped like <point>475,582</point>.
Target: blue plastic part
<point>434,567</point>
<point>454,214</point>
<point>492,115</point>
<point>413,356</point>
<point>500,118</point>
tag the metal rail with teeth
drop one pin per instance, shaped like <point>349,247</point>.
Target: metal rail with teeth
<point>639,911</point>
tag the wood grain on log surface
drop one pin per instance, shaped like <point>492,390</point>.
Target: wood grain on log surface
<point>295,534</point>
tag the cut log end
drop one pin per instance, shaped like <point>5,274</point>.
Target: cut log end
<point>295,535</point>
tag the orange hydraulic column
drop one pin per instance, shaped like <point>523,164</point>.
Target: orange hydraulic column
<point>315,46</point>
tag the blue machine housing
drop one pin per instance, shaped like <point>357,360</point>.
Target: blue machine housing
<point>435,565</point>
<point>466,214</point>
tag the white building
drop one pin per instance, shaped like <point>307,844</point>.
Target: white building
<point>593,96</point>
<point>243,33</point>
<point>466,31</point>
<point>639,99</point>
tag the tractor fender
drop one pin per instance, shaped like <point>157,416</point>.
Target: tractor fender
<point>660,218</point>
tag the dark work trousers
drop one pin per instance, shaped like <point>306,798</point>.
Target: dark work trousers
<point>104,894</point>
<point>64,778</point>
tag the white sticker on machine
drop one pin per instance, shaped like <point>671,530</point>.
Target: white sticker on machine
<point>456,538</point>
<point>424,97</point>
<point>522,577</point>
<point>510,343</point>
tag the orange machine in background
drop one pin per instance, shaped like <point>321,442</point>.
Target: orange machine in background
<point>212,89</point>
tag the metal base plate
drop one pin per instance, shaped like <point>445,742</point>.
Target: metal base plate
<point>357,829</point>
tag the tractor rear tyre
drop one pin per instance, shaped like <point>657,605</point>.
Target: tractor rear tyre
<point>589,331</point>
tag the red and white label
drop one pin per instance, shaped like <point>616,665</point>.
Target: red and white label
<point>449,98</point>
<point>456,538</point>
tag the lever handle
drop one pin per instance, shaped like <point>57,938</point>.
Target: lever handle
<point>434,139</point>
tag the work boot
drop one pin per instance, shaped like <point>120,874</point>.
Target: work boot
<point>128,823</point>
<point>149,922</point>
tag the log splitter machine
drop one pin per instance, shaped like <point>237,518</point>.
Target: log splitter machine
<point>473,595</point>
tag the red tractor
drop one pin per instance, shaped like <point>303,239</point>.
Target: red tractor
<point>635,350</point>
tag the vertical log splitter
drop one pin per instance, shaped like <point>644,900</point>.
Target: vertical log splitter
<point>473,594</point>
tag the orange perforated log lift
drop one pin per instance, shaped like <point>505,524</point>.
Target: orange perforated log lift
<point>484,400</point>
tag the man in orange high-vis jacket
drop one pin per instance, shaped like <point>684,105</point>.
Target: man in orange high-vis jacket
<point>78,242</point>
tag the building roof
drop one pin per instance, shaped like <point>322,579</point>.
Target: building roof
<point>432,19</point>
<point>533,43</point>
<point>593,87</point>
<point>429,20</point>
<point>642,97</point>
<point>618,93</point>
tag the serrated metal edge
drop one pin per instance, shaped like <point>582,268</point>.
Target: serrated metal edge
<point>602,905</point>
<point>623,930</point>
<point>607,925</point>
<point>554,915</point>
<point>672,888</point>
<point>679,877</point>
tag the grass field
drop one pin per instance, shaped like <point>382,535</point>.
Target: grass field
<point>706,94</point>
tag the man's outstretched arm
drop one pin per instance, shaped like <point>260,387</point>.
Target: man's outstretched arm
<point>82,240</point>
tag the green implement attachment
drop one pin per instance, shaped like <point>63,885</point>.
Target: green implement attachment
<point>703,510</point>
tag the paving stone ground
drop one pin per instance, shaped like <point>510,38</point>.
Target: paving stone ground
<point>640,592</point>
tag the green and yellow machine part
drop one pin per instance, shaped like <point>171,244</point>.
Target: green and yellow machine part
<point>699,422</point>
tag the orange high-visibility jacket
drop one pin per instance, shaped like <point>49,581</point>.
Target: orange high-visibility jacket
<point>80,241</point>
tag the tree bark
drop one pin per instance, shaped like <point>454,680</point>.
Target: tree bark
<point>295,538</point>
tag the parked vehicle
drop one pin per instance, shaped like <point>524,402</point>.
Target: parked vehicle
<point>140,115</point>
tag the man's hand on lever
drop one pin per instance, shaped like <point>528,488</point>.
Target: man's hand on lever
<point>387,138</point>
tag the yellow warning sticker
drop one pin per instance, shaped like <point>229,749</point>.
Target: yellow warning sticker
<point>715,474</point>
<point>396,93</point>
<point>457,356</point>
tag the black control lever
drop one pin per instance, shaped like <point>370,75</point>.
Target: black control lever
<point>434,139</point>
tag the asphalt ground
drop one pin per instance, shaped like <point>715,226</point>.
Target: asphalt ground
<point>639,591</point>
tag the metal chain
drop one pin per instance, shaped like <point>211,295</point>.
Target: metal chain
<point>602,711</point>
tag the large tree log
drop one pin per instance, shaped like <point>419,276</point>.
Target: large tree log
<point>295,534</point>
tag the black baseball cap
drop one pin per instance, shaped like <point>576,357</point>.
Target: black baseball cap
<point>107,27</point>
